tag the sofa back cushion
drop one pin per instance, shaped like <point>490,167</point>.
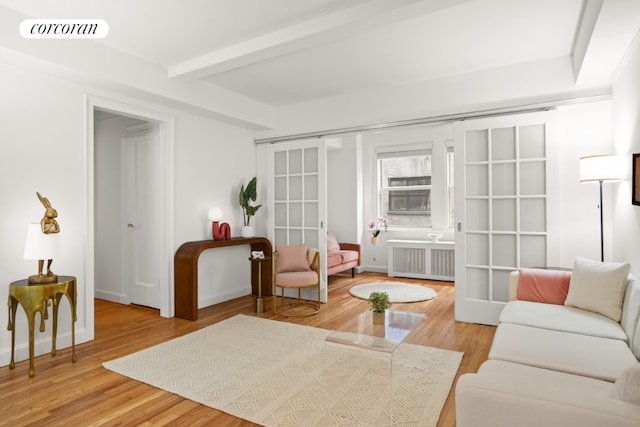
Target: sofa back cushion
<point>292,258</point>
<point>548,286</point>
<point>598,286</point>
<point>332,243</point>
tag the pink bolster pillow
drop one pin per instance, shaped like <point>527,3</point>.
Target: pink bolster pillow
<point>547,286</point>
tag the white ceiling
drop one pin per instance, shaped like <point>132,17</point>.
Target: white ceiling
<point>283,52</point>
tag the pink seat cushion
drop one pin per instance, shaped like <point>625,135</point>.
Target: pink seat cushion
<point>348,256</point>
<point>548,286</point>
<point>333,259</point>
<point>297,278</point>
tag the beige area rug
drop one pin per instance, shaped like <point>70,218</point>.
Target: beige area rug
<point>398,292</point>
<point>281,374</point>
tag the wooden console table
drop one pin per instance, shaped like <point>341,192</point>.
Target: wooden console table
<point>186,271</point>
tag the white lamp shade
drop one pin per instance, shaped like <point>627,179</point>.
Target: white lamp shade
<point>39,245</point>
<point>602,168</point>
<point>215,214</point>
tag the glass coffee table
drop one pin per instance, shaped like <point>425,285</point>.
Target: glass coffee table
<point>375,396</point>
<point>362,332</point>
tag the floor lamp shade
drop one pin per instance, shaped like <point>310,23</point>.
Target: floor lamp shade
<point>602,168</point>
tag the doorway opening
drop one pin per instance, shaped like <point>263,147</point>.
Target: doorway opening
<point>130,199</point>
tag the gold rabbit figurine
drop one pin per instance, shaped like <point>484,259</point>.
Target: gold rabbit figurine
<point>49,226</point>
<point>48,223</point>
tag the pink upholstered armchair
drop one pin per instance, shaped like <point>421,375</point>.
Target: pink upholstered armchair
<point>341,256</point>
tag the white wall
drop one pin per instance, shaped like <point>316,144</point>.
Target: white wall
<point>44,149</point>
<point>343,197</point>
<point>585,130</point>
<point>212,161</point>
<point>626,140</point>
<point>42,140</point>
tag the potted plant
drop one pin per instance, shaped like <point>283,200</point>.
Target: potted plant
<point>246,196</point>
<point>379,302</point>
<point>376,227</point>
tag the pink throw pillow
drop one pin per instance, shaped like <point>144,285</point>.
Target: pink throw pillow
<point>292,258</point>
<point>547,286</point>
<point>332,243</point>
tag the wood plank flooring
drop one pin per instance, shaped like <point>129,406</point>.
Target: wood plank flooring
<point>86,394</point>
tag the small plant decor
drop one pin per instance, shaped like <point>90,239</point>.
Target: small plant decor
<point>379,302</point>
<point>378,225</point>
<point>246,196</point>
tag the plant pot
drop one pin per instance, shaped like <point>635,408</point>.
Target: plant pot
<point>248,231</point>
<point>374,241</point>
<point>378,318</point>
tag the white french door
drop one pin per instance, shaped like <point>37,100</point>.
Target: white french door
<point>504,185</point>
<point>297,200</point>
<point>141,207</point>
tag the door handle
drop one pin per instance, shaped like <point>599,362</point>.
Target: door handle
<point>129,225</point>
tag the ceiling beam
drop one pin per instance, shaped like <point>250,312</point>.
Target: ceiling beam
<point>605,34</point>
<point>314,32</point>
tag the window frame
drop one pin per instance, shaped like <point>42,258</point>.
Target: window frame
<point>440,205</point>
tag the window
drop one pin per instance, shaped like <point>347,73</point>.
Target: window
<point>411,192</point>
<point>405,187</point>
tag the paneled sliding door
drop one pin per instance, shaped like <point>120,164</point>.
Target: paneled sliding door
<point>504,195</point>
<point>297,199</point>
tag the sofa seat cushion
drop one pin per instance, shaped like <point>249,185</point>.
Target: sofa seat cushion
<point>589,356</point>
<point>505,394</point>
<point>561,318</point>
<point>341,257</point>
<point>333,259</point>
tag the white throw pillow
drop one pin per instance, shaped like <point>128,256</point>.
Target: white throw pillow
<point>628,384</point>
<point>598,287</point>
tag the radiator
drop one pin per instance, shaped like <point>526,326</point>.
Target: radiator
<point>422,259</point>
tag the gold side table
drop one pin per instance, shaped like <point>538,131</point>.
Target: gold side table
<point>37,298</point>
<point>260,299</point>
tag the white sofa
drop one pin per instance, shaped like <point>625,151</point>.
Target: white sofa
<point>557,365</point>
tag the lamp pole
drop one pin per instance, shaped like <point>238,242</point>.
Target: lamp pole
<point>601,226</point>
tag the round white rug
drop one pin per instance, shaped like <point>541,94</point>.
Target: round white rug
<point>398,292</point>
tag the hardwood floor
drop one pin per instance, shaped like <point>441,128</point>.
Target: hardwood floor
<point>86,394</point>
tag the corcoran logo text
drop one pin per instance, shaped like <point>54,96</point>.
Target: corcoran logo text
<point>64,28</point>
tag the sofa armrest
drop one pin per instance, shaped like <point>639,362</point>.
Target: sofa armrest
<point>351,247</point>
<point>513,285</point>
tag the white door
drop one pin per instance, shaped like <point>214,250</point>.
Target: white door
<point>504,193</point>
<point>297,199</point>
<point>142,223</point>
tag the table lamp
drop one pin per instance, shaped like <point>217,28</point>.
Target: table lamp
<point>40,246</point>
<point>599,169</point>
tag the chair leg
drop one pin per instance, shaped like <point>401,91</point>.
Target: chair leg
<point>353,272</point>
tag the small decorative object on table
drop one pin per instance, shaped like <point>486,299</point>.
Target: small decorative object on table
<point>43,243</point>
<point>246,196</point>
<point>379,302</point>
<point>219,231</point>
<point>376,227</point>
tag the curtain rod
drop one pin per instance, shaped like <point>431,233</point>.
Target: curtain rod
<point>495,112</point>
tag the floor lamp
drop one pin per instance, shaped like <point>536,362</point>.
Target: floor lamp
<point>599,169</point>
